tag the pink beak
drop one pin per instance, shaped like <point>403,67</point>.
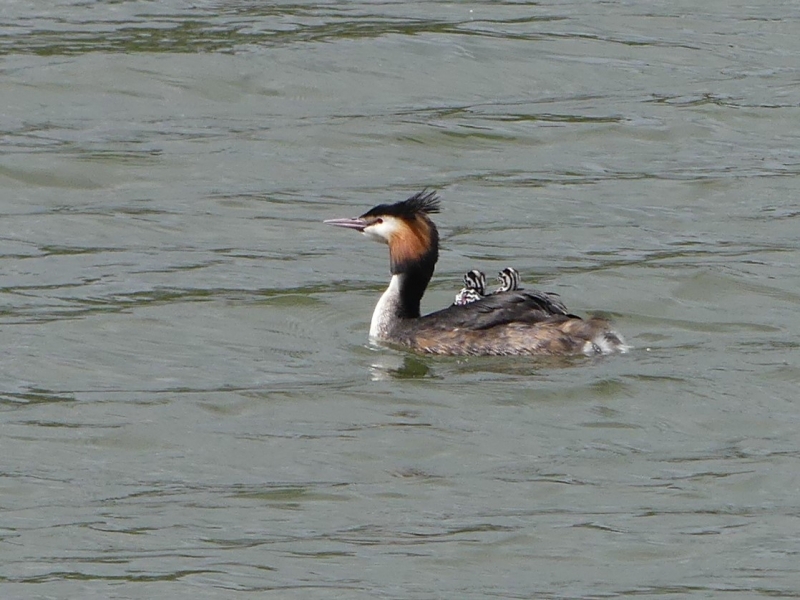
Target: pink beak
<point>357,224</point>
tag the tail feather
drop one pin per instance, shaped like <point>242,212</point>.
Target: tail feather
<point>604,339</point>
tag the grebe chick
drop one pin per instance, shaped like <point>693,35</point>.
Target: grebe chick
<point>520,322</point>
<point>509,280</point>
<point>475,285</point>
<point>474,288</point>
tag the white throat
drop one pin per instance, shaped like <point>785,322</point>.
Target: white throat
<point>385,314</point>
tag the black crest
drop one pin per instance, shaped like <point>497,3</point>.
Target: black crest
<point>424,202</point>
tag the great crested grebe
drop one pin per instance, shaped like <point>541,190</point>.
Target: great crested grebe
<point>509,280</point>
<point>513,322</point>
<point>474,288</point>
<point>475,285</point>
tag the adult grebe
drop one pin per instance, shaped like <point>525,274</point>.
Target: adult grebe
<point>513,322</point>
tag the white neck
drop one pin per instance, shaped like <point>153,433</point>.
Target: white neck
<point>385,313</point>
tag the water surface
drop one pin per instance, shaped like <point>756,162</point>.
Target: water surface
<point>189,404</point>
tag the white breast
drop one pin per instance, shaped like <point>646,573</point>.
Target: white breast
<point>385,312</point>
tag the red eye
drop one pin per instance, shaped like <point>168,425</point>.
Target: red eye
<point>377,221</point>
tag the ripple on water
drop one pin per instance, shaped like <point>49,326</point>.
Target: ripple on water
<point>189,402</point>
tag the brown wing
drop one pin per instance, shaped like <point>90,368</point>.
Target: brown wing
<point>529,306</point>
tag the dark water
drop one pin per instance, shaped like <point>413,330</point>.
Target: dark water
<point>189,405</point>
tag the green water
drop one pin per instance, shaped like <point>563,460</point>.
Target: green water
<point>188,404</point>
